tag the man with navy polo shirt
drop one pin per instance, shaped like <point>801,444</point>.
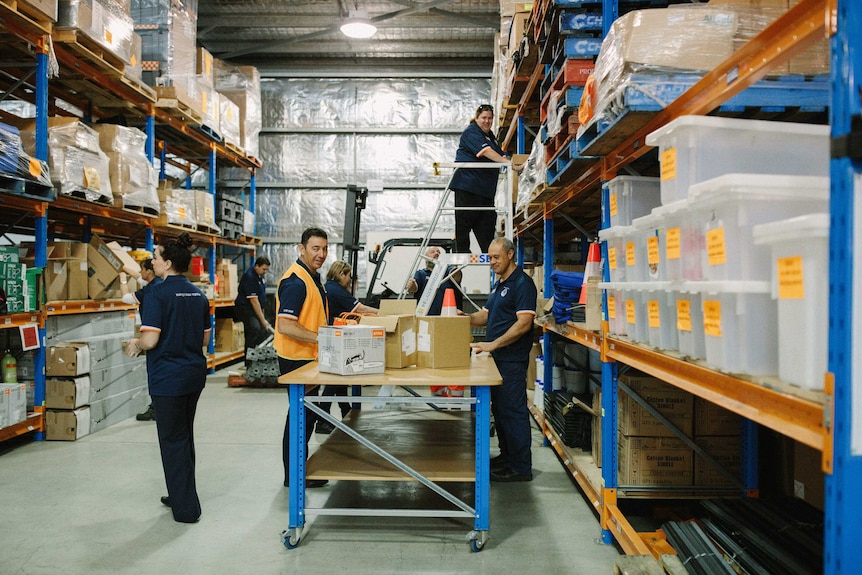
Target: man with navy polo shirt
<point>249,304</point>
<point>509,316</point>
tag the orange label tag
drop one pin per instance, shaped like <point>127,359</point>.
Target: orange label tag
<point>791,284</point>
<point>612,258</point>
<point>630,310</point>
<point>181,212</point>
<point>614,204</point>
<point>133,61</point>
<point>91,178</point>
<point>712,318</point>
<point>715,248</point>
<point>672,244</point>
<point>109,37</point>
<point>612,307</point>
<point>653,255</point>
<point>35,168</point>
<point>683,315</point>
<point>668,164</point>
<point>630,254</point>
<point>653,313</point>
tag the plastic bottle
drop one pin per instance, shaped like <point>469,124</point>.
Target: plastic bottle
<point>10,368</point>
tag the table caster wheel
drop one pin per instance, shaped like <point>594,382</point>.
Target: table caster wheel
<point>476,546</point>
<point>477,540</point>
<point>290,538</point>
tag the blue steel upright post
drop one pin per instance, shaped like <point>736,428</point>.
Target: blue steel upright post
<point>843,500</point>
<point>610,392</point>
<point>211,254</point>
<point>547,292</point>
<point>40,231</point>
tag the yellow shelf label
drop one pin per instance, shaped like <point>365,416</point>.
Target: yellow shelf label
<point>612,307</point>
<point>653,255</point>
<point>791,283</point>
<point>612,258</point>
<point>712,318</point>
<point>630,310</point>
<point>653,313</point>
<point>614,206</point>
<point>683,315</point>
<point>716,251</point>
<point>668,164</point>
<point>630,254</point>
<point>672,244</point>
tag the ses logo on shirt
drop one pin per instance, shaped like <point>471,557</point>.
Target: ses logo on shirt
<point>480,259</point>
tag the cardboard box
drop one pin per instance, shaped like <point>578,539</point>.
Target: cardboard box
<point>673,403</point>
<point>400,338</point>
<point>67,251</point>
<point>103,268</point>
<point>654,461</point>
<point>56,281</point>
<point>204,65</point>
<point>397,306</point>
<point>77,285</point>
<point>710,419</point>
<point>351,349</point>
<point>593,309</point>
<point>808,477</point>
<point>204,208</point>
<point>517,159</point>
<point>535,352</point>
<point>443,341</point>
<point>229,335</point>
<point>726,451</point>
<point>46,8</point>
<point>67,360</point>
<point>13,406</point>
<point>67,425</point>
<point>67,393</point>
<point>130,266</point>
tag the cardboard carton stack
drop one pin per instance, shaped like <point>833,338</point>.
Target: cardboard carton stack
<point>66,276</point>
<point>133,179</point>
<point>91,384</point>
<point>106,22</point>
<point>228,279</point>
<point>716,431</point>
<point>241,85</point>
<point>229,335</point>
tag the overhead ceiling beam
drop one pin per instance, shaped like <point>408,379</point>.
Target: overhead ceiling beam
<point>387,49</point>
<point>434,19</point>
<point>494,24</point>
<point>268,46</point>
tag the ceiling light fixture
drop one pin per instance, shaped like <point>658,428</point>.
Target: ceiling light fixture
<point>358,25</point>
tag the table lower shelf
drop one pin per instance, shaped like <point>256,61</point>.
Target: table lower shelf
<point>440,445</point>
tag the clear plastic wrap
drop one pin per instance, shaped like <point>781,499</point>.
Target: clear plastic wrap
<point>532,176</point>
<point>229,121</point>
<point>10,148</point>
<point>79,172</point>
<point>105,22</point>
<point>168,33</point>
<point>241,84</point>
<point>179,209</point>
<point>133,179</point>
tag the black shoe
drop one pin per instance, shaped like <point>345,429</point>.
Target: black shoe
<point>324,427</point>
<point>506,475</point>
<point>194,520</point>
<point>166,501</point>
<point>148,415</point>
<point>311,483</point>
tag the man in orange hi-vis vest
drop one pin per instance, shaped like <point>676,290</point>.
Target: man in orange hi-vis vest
<point>300,309</point>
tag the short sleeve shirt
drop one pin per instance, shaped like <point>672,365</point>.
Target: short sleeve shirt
<point>340,300</point>
<point>479,181</point>
<point>517,294</point>
<point>141,294</point>
<point>181,314</point>
<point>421,276</point>
<point>291,293</point>
<point>251,285</point>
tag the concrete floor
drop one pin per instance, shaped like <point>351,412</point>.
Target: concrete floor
<point>92,506</point>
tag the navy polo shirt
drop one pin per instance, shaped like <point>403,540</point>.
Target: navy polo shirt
<point>437,305</point>
<point>421,277</point>
<point>181,314</point>
<point>479,181</point>
<point>291,293</point>
<point>250,285</point>
<point>516,294</point>
<point>340,300</point>
<point>141,293</point>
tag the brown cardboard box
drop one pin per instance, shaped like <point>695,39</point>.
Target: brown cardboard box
<point>726,451</point>
<point>400,338</point>
<point>67,393</point>
<point>67,251</point>
<point>443,341</point>
<point>46,8</point>
<point>654,461</point>
<point>593,309</point>
<point>77,287</point>
<point>130,266</point>
<point>67,425</point>
<point>67,360</point>
<point>351,349</point>
<point>204,208</point>
<point>397,306</point>
<point>710,419</point>
<point>808,477</point>
<point>230,335</point>
<point>673,403</point>
<point>204,64</point>
<point>56,280</point>
<point>103,268</point>
<point>535,352</point>
<point>228,287</point>
<point>517,159</point>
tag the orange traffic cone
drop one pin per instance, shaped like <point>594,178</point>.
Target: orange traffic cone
<point>593,269</point>
<point>449,308</point>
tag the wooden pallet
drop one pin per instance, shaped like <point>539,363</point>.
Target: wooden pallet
<point>162,221</point>
<point>235,149</point>
<point>240,381</point>
<point>206,228</point>
<point>142,210</point>
<point>26,14</point>
<point>89,49</point>
<point>177,105</point>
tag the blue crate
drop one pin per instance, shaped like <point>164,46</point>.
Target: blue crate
<point>565,162</point>
<point>580,48</point>
<point>571,21</point>
<point>10,148</point>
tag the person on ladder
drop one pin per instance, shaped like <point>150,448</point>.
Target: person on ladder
<point>477,187</point>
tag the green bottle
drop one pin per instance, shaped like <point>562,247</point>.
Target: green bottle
<point>10,368</point>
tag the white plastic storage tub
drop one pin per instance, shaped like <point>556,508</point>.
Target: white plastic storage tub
<point>740,320</point>
<point>661,316</point>
<point>682,242</point>
<point>800,281</point>
<point>631,197</point>
<point>693,149</point>
<point>732,204</point>
<point>616,238</point>
<point>616,309</point>
<point>689,324</point>
<point>649,241</point>
<point>635,312</point>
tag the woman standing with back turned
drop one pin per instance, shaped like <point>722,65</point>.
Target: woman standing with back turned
<point>174,328</point>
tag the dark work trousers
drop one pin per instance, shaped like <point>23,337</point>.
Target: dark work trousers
<point>175,424</point>
<point>255,333</point>
<point>336,390</point>
<point>482,222</point>
<point>511,416</point>
<point>286,366</point>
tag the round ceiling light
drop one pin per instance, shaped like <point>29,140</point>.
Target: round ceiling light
<point>358,25</point>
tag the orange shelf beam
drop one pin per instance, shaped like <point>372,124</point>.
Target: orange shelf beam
<point>32,423</point>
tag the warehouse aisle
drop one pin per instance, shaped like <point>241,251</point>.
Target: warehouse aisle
<point>92,507</point>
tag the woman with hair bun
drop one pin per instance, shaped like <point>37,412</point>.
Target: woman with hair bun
<point>175,326</point>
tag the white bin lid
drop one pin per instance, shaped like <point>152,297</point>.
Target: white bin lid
<point>751,187</point>
<point>736,124</point>
<point>672,208</point>
<point>650,221</point>
<point>726,287</point>
<point>801,228</point>
<point>615,232</point>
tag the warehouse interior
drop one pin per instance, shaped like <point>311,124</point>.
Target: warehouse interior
<point>679,187</point>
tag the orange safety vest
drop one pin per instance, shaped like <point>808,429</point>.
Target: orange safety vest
<point>313,315</point>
